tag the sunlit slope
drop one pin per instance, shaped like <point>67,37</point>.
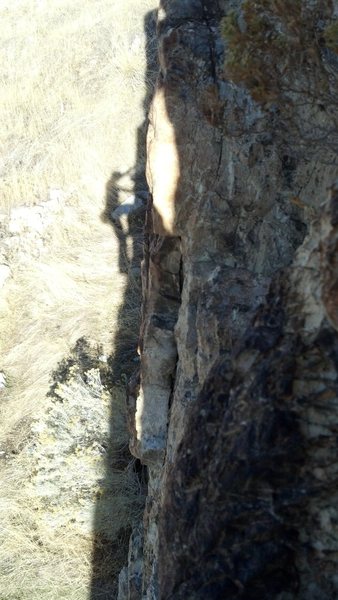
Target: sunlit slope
<point>73,79</point>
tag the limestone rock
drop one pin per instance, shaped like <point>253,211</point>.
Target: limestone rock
<point>161,286</point>
<point>230,411</point>
<point>254,502</point>
<point>35,218</point>
<point>130,579</point>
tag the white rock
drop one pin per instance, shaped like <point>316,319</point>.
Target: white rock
<point>26,217</point>
<point>55,194</point>
<point>55,197</point>
<point>5,273</point>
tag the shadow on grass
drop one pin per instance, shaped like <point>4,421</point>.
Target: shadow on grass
<point>127,220</point>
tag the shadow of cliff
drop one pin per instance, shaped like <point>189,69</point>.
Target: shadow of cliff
<point>125,209</point>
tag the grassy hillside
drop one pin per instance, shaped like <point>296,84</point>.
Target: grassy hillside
<point>74,79</point>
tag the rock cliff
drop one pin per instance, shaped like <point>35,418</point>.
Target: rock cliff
<point>235,410</point>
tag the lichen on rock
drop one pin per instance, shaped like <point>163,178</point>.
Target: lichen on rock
<point>239,319</point>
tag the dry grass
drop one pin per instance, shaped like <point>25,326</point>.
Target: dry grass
<point>75,291</point>
<point>73,86</point>
<point>36,562</point>
<point>41,560</point>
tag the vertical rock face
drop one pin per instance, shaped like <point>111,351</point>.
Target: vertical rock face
<point>252,493</point>
<point>236,410</point>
